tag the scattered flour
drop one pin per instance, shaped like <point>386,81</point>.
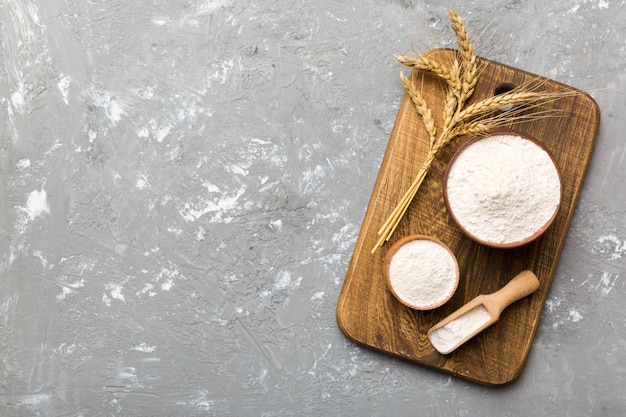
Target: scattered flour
<point>503,189</point>
<point>445,339</point>
<point>423,274</point>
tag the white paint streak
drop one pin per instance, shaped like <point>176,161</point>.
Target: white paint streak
<point>607,282</point>
<point>22,164</point>
<point>192,212</point>
<point>181,22</point>
<point>344,238</point>
<point>159,20</point>
<point>222,70</point>
<point>552,304</point>
<point>35,401</point>
<point>18,102</point>
<point>114,108</point>
<point>575,315</point>
<point>199,400</point>
<point>200,234</point>
<point>56,145</point>
<point>70,288</point>
<point>114,111</point>
<point>141,183</point>
<point>156,130</point>
<point>143,133</point>
<point>114,291</point>
<point>617,249</point>
<point>147,289</point>
<point>277,225</point>
<point>65,291</point>
<point>91,134</point>
<point>283,281</point>
<point>212,188</point>
<point>7,305</point>
<point>42,258</point>
<point>318,295</point>
<point>237,169</point>
<point>175,230</point>
<point>64,349</point>
<point>64,87</point>
<point>128,373</point>
<point>25,46</point>
<point>208,7</point>
<point>574,9</point>
<point>160,133</point>
<point>167,285</point>
<point>37,204</point>
<point>167,277</point>
<point>144,347</point>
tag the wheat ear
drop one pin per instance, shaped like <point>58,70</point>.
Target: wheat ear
<point>471,128</point>
<point>426,64</point>
<point>496,102</point>
<point>421,107</point>
<point>469,77</point>
<point>452,99</point>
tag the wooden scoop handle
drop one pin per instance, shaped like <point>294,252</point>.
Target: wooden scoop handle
<point>524,283</point>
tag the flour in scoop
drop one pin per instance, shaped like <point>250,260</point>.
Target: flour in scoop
<point>445,338</point>
<point>423,274</point>
<point>503,188</point>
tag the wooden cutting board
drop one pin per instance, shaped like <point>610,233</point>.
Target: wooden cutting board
<point>367,312</point>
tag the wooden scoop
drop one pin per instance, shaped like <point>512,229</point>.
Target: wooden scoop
<point>480,313</point>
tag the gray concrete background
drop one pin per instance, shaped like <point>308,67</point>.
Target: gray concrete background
<point>183,181</point>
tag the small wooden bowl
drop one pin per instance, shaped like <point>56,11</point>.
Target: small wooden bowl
<point>538,231</point>
<point>445,292</point>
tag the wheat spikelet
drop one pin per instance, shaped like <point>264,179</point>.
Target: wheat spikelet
<point>472,128</point>
<point>451,100</point>
<point>497,102</point>
<point>426,64</point>
<point>420,106</point>
<point>470,71</point>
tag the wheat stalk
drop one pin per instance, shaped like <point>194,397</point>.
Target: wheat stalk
<point>458,119</point>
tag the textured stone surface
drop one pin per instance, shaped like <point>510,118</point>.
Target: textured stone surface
<point>183,181</point>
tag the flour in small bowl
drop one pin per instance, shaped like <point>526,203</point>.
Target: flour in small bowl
<point>503,189</point>
<point>422,273</point>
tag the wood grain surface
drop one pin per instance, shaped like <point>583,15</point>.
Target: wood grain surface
<point>368,313</point>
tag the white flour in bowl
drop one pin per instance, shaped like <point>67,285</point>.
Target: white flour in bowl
<point>503,189</point>
<point>423,274</point>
